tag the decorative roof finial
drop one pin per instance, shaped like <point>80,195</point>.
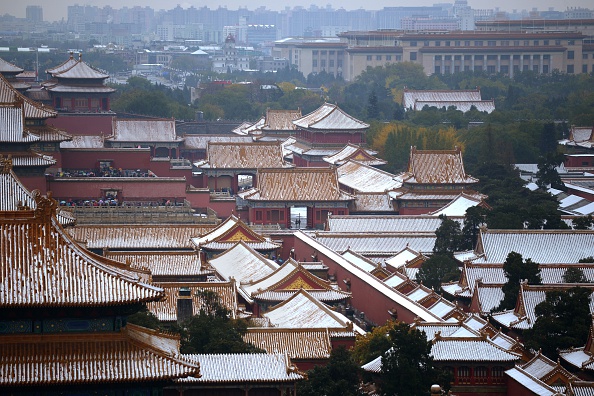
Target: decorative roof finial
<point>5,164</point>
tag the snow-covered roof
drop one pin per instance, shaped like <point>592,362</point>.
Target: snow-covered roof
<point>298,344</point>
<point>385,223</point>
<point>365,178</point>
<point>302,310</point>
<point>352,152</point>
<point>330,117</point>
<point>138,237</point>
<point>163,263</point>
<point>242,263</point>
<point>365,276</point>
<point>141,131</point>
<point>303,184</point>
<point>542,246</point>
<point>370,243</point>
<point>437,167</point>
<point>73,276</point>
<point>133,355</point>
<point>244,155</point>
<point>243,368</point>
<point>458,206</point>
<point>534,385</point>
<point>166,309</point>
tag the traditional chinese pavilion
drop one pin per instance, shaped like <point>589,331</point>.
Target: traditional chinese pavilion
<point>277,190</point>
<point>323,133</point>
<point>432,180</point>
<point>75,86</point>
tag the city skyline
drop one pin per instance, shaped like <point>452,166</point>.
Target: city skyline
<point>58,9</point>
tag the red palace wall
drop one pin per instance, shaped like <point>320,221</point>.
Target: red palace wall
<point>84,124</point>
<point>133,189</point>
<point>579,161</point>
<point>122,158</point>
<point>34,183</point>
<point>365,297</point>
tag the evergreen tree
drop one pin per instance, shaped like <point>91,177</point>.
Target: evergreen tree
<point>574,275</point>
<point>563,321</point>
<point>517,270</point>
<point>372,106</point>
<point>449,237</point>
<point>438,269</point>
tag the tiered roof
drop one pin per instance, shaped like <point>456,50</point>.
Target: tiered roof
<point>303,184</point>
<point>74,277</point>
<point>9,69</point>
<point>229,232</point>
<point>154,130</point>
<point>32,109</point>
<point>14,195</point>
<point>134,355</point>
<point>436,167</point>
<point>243,155</point>
<point>12,124</point>
<point>541,246</point>
<point>352,152</point>
<point>330,117</point>
<point>288,279</point>
<point>243,368</point>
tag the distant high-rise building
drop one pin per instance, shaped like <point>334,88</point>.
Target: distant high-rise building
<point>34,13</point>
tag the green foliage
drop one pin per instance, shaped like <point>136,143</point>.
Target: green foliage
<point>589,259</point>
<point>583,222</point>
<point>547,171</point>
<point>213,331</point>
<point>339,377</point>
<point>449,237</point>
<point>512,205</point>
<point>517,270</point>
<point>372,344</point>
<point>145,318</point>
<point>473,220</point>
<point>407,367</point>
<point>139,96</point>
<point>439,268</point>
<point>574,275</point>
<point>563,321</point>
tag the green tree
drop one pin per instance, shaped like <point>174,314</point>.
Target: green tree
<point>372,109</point>
<point>547,174</point>
<point>517,270</point>
<point>589,259</point>
<point>145,318</point>
<point>449,237</point>
<point>563,320</point>
<point>372,344</point>
<point>439,268</point>
<point>473,220</point>
<point>213,330</point>
<point>339,377</point>
<point>583,222</point>
<point>574,275</point>
<point>407,367</point>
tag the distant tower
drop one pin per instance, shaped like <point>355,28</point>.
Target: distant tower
<point>34,13</point>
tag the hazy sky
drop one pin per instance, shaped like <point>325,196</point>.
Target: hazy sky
<point>56,9</point>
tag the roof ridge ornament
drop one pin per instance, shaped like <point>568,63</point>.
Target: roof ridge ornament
<point>5,164</point>
<point>46,206</point>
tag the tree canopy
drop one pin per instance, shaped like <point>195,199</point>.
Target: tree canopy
<point>516,270</point>
<point>213,330</point>
<point>563,321</point>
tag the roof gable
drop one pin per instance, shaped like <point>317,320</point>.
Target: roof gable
<point>32,109</point>
<point>354,153</point>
